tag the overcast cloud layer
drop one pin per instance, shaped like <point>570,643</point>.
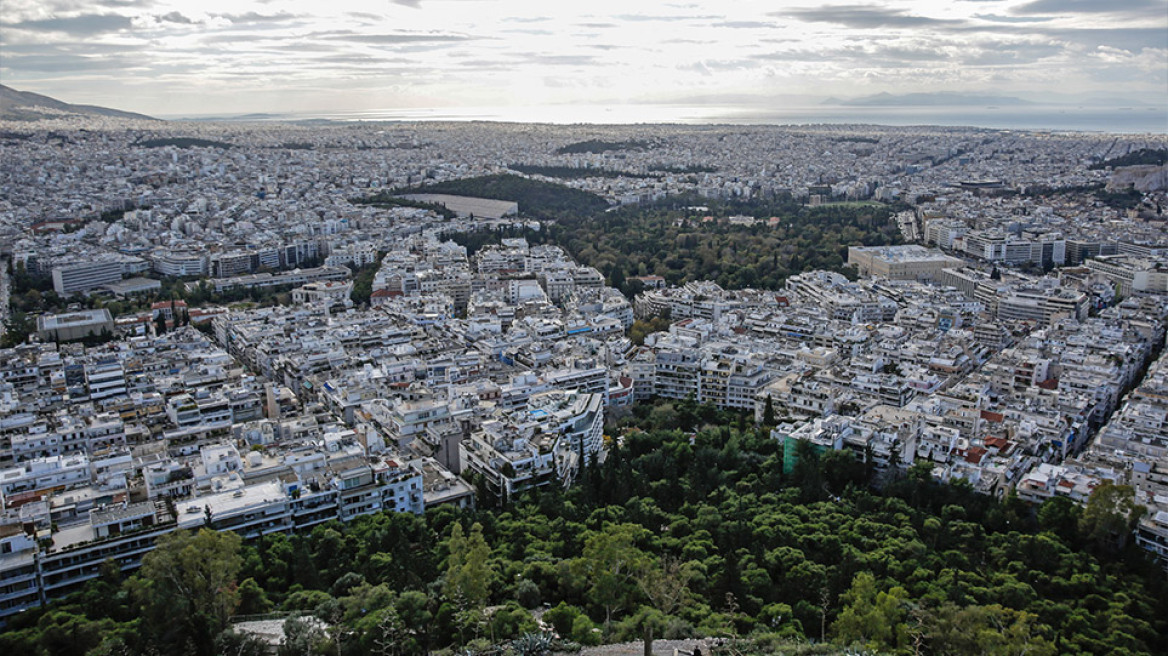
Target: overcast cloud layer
<point>234,56</point>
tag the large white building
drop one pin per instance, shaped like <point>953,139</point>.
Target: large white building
<point>908,262</point>
<point>83,276</point>
<point>181,264</point>
<point>1131,274</point>
<point>74,325</point>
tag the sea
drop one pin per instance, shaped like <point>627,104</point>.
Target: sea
<point>1057,118</point>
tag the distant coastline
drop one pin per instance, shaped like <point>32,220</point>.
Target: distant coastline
<point>1124,119</point>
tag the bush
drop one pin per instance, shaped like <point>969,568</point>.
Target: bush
<point>562,618</point>
<point>527,594</point>
<point>306,599</point>
<point>510,621</point>
<point>346,583</point>
<point>584,631</point>
<point>678,629</point>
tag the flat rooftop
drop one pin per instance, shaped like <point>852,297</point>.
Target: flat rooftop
<point>905,253</point>
<point>79,318</point>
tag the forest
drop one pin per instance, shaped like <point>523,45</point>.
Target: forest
<point>689,527</point>
<point>182,142</point>
<point>673,241</point>
<point>597,146</point>
<point>574,172</point>
<point>1143,156</point>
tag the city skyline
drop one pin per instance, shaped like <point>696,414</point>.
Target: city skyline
<point>170,58</point>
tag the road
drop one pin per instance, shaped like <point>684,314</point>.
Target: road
<point>4,291</point>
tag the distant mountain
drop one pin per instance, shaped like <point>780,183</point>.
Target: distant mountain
<point>941,99</point>
<point>24,106</point>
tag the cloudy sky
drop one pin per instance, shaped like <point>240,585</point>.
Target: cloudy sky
<point>168,57</point>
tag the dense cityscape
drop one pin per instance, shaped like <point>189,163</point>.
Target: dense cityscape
<point>277,330</point>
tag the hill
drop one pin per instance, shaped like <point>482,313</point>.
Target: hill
<point>692,526</point>
<point>26,106</point>
<point>1141,157</point>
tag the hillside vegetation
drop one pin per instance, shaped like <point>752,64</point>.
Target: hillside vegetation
<point>1143,156</point>
<point>684,533</point>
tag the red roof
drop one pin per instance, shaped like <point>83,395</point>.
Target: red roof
<point>999,443</point>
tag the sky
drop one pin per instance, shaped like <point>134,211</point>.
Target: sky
<point>181,57</point>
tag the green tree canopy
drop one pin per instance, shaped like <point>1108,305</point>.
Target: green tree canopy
<point>187,588</point>
<point>468,567</point>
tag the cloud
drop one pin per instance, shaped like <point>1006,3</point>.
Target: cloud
<point>83,25</point>
<point>415,4</point>
<point>708,67</point>
<point>1126,38</point>
<point>556,60</point>
<point>1151,8</point>
<point>75,48</point>
<point>253,18</point>
<point>997,18</point>
<point>642,18</point>
<point>863,17</point>
<point>70,6</point>
<point>936,55</point>
<point>67,64</point>
<point>398,37</point>
<point>744,25</point>
<point>175,17</point>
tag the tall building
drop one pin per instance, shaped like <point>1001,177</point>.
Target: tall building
<point>83,276</point>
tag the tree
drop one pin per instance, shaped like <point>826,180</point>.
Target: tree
<point>768,412</point>
<point>187,590</point>
<point>230,643</point>
<point>252,598</point>
<point>664,584</point>
<point>609,560</point>
<point>468,567</point>
<point>1110,516</point>
<point>302,638</point>
<point>1060,515</point>
<point>985,630</point>
<point>160,324</point>
<point>875,619</point>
